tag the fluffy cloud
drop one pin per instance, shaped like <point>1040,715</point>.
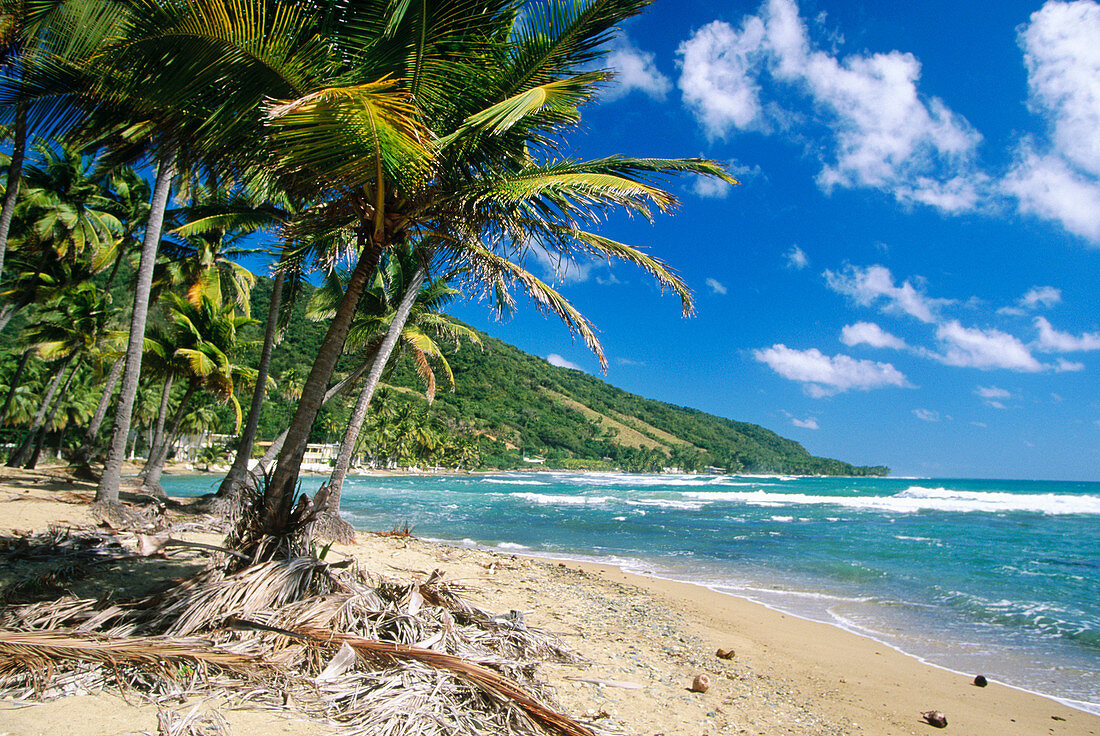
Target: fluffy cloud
<point>711,188</point>
<point>634,70</point>
<point>718,76</point>
<point>797,258</point>
<point>807,423</point>
<point>716,286</point>
<point>875,283</point>
<point>885,135</point>
<point>868,333</point>
<point>926,415</point>
<point>824,376</point>
<point>560,362</point>
<point>985,349</point>
<point>1062,181</point>
<point>1053,341</point>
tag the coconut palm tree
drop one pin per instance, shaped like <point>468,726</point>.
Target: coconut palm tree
<point>68,331</point>
<point>204,340</point>
<point>494,90</point>
<point>401,308</point>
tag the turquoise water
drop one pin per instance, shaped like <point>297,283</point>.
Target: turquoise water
<point>994,577</point>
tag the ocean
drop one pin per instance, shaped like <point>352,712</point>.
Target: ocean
<point>992,577</point>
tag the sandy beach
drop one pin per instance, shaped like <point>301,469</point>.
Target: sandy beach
<point>645,639</point>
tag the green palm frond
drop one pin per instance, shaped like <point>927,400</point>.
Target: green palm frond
<point>499,273</point>
<point>351,135</point>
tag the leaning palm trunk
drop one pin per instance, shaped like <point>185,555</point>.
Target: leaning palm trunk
<point>40,438</point>
<point>266,462</point>
<point>230,486</point>
<point>158,428</point>
<point>14,383</point>
<point>329,523</point>
<point>107,492</point>
<point>279,494</point>
<point>87,450</point>
<point>23,451</point>
<point>15,173</point>
<point>155,466</point>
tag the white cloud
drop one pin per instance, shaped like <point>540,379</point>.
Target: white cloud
<point>807,423</point>
<point>797,258</point>
<point>1041,296</point>
<point>926,415</point>
<point>1053,341</point>
<point>868,285</point>
<point>992,395</point>
<point>1047,186</point>
<point>1036,297</point>
<point>560,362</point>
<point>717,78</point>
<point>716,286</point>
<point>708,187</point>
<point>993,392</point>
<point>868,333</point>
<point>884,134</point>
<point>634,70</point>
<point>985,349</point>
<point>824,376</point>
<point>628,361</point>
<point>1062,57</point>
<point>563,270</point>
<point>1068,366</point>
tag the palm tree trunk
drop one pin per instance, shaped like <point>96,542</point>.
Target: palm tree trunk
<point>15,174</point>
<point>331,525</point>
<point>155,466</point>
<point>158,430</point>
<point>272,452</point>
<point>86,451</point>
<point>279,495</point>
<point>229,486</point>
<point>40,440</point>
<point>15,382</point>
<point>107,491</point>
<point>20,455</point>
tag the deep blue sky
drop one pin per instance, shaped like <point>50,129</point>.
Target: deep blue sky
<point>908,274</point>
<point>934,170</point>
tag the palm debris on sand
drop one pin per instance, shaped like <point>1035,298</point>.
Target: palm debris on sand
<point>368,655</point>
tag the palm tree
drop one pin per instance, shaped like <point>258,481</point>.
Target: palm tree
<point>495,91</point>
<point>68,330</point>
<point>400,308</point>
<point>205,337</point>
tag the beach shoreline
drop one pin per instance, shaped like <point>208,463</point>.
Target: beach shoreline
<point>646,638</point>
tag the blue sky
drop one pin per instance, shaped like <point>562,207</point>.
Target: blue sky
<point>907,274</point>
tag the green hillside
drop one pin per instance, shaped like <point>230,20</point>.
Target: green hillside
<point>516,405</point>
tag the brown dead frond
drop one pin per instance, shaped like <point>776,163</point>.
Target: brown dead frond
<point>32,658</point>
<point>397,531</point>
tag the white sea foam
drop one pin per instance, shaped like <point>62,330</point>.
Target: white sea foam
<point>918,498</point>
<point>512,546</point>
<point>782,518</point>
<point>665,503</point>
<point>552,499</point>
<point>514,482</point>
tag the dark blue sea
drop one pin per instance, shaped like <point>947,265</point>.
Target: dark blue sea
<point>998,577</point>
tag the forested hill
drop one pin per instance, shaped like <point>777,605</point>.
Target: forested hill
<point>517,405</point>
<point>561,415</point>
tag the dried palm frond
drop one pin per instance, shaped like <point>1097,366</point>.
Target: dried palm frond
<point>32,658</point>
<point>193,723</point>
<point>490,682</point>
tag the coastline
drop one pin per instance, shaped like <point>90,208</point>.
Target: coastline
<point>789,675</point>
